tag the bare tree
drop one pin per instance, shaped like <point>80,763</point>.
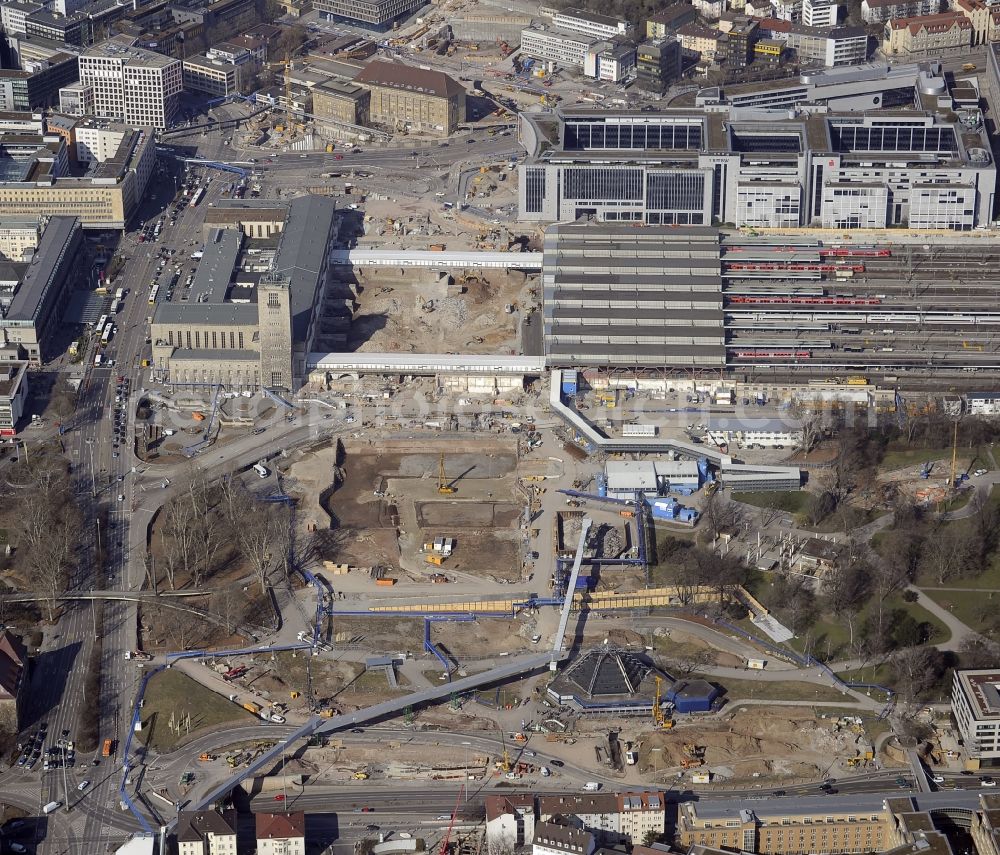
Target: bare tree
<point>179,527</point>
<point>225,603</point>
<point>49,525</point>
<point>260,531</point>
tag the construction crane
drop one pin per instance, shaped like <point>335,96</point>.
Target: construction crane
<point>954,456</point>
<point>658,717</point>
<point>447,837</point>
<point>444,488</point>
<point>505,764</point>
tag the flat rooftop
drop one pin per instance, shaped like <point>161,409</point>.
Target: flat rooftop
<point>215,270</point>
<point>124,48</point>
<point>982,688</point>
<point>48,256</point>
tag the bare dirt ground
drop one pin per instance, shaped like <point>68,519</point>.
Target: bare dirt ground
<point>413,313</point>
<point>784,743</point>
<point>481,516</point>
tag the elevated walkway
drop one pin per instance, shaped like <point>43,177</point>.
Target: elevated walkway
<point>428,258</point>
<point>317,725</point>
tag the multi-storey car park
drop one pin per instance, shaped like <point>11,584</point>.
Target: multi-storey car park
<point>693,299</point>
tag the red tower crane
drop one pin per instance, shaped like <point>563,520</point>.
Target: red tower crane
<point>447,837</point>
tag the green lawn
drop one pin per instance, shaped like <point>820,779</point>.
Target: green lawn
<point>971,607</point>
<point>792,501</point>
<point>781,690</point>
<point>171,692</point>
<point>855,518</point>
<point>878,674</point>
<point>901,456</point>
<point>829,637</point>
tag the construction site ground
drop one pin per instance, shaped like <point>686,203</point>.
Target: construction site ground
<point>785,745</point>
<point>481,516</point>
<point>413,311</point>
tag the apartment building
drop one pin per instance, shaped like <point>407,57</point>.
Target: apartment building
<point>881,11</point>
<point>403,97</point>
<point>711,9</point>
<point>942,32</point>
<point>131,84</point>
<point>610,817</point>
<point>34,310</point>
<point>789,826</point>
<point>700,40</point>
<point>206,833</point>
<point>557,839</point>
<point>510,821</point>
<point>665,22</point>
<point>820,13</point>
<point>688,167</point>
<point>979,16</point>
<point>785,10</point>
<point>975,700</point>
<point>372,14</point>
<point>597,26</point>
<point>281,833</point>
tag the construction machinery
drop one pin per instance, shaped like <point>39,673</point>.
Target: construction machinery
<point>659,717</point>
<point>451,825</point>
<point>444,488</point>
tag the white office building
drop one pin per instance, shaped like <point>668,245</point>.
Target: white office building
<point>131,84</point>
<point>590,24</point>
<point>983,403</point>
<point>975,706</point>
<point>555,47</point>
<point>763,433</point>
<point>840,169</point>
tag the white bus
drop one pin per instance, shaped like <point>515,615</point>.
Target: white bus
<point>106,335</point>
<point>101,324</point>
<point>153,293</point>
<point>120,294</point>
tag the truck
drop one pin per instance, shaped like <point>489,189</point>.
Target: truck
<point>261,470</point>
<point>252,708</point>
<point>138,655</point>
<point>106,750</point>
<point>591,787</point>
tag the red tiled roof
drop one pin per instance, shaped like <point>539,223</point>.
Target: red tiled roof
<point>280,826</point>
